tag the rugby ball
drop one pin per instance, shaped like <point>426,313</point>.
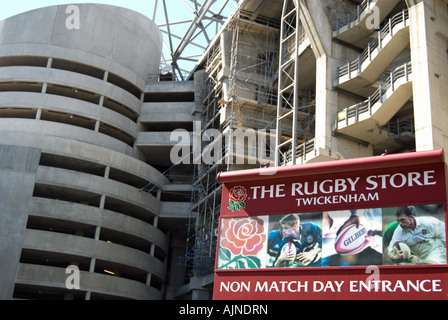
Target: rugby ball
<point>288,249</point>
<point>401,246</point>
<point>351,240</point>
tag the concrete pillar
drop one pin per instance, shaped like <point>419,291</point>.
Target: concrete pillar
<point>97,233</point>
<point>429,40</point>
<point>107,172</point>
<point>97,126</point>
<point>44,87</point>
<point>101,102</point>
<point>329,55</point>
<point>326,101</point>
<point>148,279</point>
<point>199,89</point>
<point>92,265</point>
<point>18,168</point>
<point>102,201</point>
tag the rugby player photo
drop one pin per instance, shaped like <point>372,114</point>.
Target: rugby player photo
<point>294,243</point>
<point>417,239</point>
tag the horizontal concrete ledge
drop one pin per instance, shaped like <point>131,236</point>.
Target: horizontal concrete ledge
<point>169,86</point>
<point>69,106</point>
<point>175,210</point>
<point>97,185</point>
<point>71,79</point>
<point>86,152</point>
<point>177,187</point>
<point>121,35</point>
<point>167,112</point>
<point>90,248</point>
<point>163,139</point>
<point>52,277</point>
<point>47,128</point>
<point>75,55</point>
<point>74,212</point>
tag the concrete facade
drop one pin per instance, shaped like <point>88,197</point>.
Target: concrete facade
<point>86,123</point>
<point>429,23</point>
<point>79,184</point>
<point>369,81</point>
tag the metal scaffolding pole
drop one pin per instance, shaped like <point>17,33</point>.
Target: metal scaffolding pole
<point>208,16</point>
<point>288,100</point>
<point>241,95</point>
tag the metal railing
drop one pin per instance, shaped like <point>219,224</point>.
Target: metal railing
<point>375,44</point>
<point>353,16</point>
<point>290,45</point>
<point>263,20</point>
<point>401,126</point>
<point>366,106</point>
<point>302,150</point>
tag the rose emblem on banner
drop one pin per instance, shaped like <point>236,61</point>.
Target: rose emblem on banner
<point>242,240</point>
<point>237,198</point>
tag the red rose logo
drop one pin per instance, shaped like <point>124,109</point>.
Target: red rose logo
<point>237,198</point>
<point>243,236</point>
<point>238,194</point>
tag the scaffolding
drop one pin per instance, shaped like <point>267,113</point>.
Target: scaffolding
<point>241,95</point>
<point>185,40</point>
<point>253,66</point>
<point>295,123</point>
<point>288,89</point>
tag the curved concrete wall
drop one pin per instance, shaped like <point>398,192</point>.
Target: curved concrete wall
<point>71,132</point>
<point>70,99</point>
<point>109,37</point>
<point>72,212</point>
<point>71,79</point>
<point>84,151</point>
<point>44,276</point>
<point>78,246</point>
<point>68,106</point>
<point>97,185</point>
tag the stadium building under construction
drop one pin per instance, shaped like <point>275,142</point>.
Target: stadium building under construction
<point>90,128</point>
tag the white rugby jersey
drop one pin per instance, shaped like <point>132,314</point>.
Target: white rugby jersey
<point>427,241</point>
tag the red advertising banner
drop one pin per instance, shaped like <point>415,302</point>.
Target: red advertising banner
<point>370,228</point>
<point>333,284</point>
